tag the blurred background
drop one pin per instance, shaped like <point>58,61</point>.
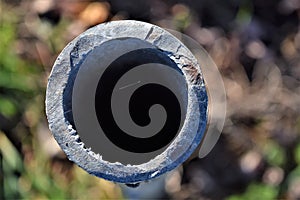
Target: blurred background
<point>255,44</point>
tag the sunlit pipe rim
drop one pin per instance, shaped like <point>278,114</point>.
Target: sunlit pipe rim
<point>67,137</point>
